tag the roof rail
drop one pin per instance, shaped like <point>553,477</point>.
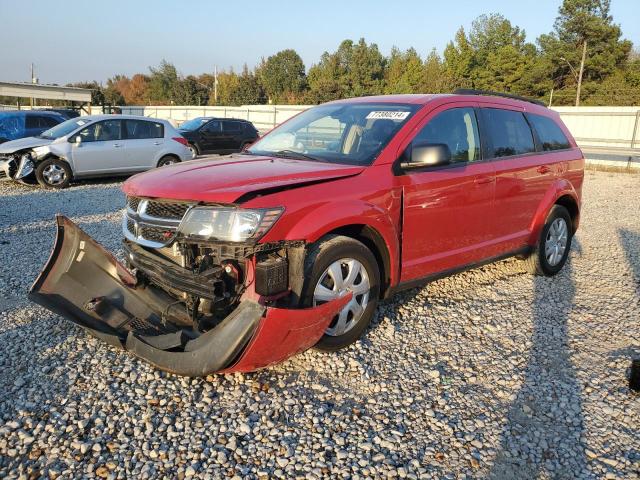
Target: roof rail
<point>471,91</point>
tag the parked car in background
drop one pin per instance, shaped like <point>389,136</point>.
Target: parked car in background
<point>16,124</point>
<point>92,146</point>
<point>240,262</point>
<point>218,135</point>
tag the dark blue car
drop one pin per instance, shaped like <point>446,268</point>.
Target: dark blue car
<point>20,124</point>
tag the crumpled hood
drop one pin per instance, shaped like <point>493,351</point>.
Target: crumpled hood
<point>225,179</point>
<point>22,143</point>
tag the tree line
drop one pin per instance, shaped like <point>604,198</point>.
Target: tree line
<point>493,54</point>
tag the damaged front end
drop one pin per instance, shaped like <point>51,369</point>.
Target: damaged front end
<point>183,320</point>
<point>17,166</point>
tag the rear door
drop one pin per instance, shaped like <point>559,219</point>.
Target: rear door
<point>448,211</point>
<point>522,174</point>
<point>211,136</point>
<point>102,149</point>
<point>143,141</point>
<point>232,136</point>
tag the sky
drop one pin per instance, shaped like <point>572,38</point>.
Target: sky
<point>71,41</point>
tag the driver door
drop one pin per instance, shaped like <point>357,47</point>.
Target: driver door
<point>102,149</point>
<point>211,136</point>
<point>448,210</point>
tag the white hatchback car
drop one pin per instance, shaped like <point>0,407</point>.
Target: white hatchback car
<point>93,146</point>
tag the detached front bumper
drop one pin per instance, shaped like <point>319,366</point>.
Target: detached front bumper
<point>87,285</point>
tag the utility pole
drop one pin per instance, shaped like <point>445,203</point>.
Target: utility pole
<point>584,56</point>
<point>215,84</point>
<point>33,80</point>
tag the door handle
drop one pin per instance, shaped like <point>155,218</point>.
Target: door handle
<point>483,180</point>
<point>157,143</point>
<point>117,145</point>
<point>542,169</point>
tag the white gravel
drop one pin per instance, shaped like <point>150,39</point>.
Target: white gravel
<point>491,373</point>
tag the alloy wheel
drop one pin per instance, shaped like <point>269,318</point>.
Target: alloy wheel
<point>54,174</point>
<point>556,241</point>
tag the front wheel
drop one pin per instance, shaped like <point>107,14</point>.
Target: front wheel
<point>552,249</point>
<point>335,266</point>
<point>53,173</point>
<point>167,160</point>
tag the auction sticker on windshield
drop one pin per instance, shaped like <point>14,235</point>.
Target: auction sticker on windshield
<point>388,115</point>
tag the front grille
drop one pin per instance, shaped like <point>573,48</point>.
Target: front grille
<point>167,210</point>
<point>131,226</point>
<point>156,234</point>
<point>133,202</point>
<point>3,174</point>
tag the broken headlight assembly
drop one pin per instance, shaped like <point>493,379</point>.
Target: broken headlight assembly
<point>227,224</point>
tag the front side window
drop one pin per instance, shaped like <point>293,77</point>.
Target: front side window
<point>352,133</point>
<point>550,134</point>
<point>456,128</point>
<point>142,129</point>
<point>508,131</point>
<point>105,131</point>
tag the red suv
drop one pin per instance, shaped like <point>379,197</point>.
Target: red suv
<point>234,264</point>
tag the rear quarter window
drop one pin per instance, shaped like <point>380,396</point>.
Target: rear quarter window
<point>508,131</point>
<point>549,133</point>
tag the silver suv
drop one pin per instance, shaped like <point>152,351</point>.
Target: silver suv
<point>92,146</point>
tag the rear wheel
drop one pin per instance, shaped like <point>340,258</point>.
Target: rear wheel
<point>167,160</point>
<point>554,244</point>
<point>53,173</point>
<point>194,150</point>
<point>335,266</point>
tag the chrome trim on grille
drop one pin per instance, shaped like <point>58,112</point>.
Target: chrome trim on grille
<point>136,222</point>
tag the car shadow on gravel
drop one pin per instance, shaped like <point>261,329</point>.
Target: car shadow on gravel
<point>544,430</point>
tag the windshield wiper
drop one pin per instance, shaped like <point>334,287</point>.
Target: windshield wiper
<point>294,154</point>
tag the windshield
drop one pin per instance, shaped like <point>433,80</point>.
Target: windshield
<point>353,133</point>
<point>63,129</point>
<point>194,123</point>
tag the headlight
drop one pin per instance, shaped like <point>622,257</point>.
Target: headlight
<point>40,151</point>
<point>228,224</point>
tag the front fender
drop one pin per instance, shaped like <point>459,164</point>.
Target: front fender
<point>559,188</point>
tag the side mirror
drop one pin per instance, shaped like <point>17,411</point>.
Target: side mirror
<point>424,155</point>
<point>77,140</point>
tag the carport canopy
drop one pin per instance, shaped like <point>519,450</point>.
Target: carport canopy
<point>48,92</point>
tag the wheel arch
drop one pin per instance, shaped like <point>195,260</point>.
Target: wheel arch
<point>560,193</point>
<point>375,242</point>
<point>568,202</point>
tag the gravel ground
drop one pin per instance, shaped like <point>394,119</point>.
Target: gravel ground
<point>491,373</point>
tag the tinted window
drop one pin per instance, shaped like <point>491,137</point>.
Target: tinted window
<point>36,121</point>
<point>457,128</point>
<point>508,132</point>
<point>141,129</point>
<point>231,127</point>
<point>48,122</point>
<point>102,131</point>
<point>213,126</point>
<point>550,134</point>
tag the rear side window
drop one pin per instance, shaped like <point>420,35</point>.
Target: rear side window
<point>456,128</point>
<point>549,132</point>
<point>508,131</point>
<point>141,129</point>
<point>231,127</point>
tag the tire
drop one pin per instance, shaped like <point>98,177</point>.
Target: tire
<point>245,145</point>
<point>351,256</point>
<point>545,261</point>
<point>194,150</point>
<point>167,160</point>
<point>54,173</point>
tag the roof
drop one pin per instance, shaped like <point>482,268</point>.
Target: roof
<point>117,116</point>
<point>49,92</point>
<point>48,113</point>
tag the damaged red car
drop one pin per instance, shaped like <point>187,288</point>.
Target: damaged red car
<point>239,262</point>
